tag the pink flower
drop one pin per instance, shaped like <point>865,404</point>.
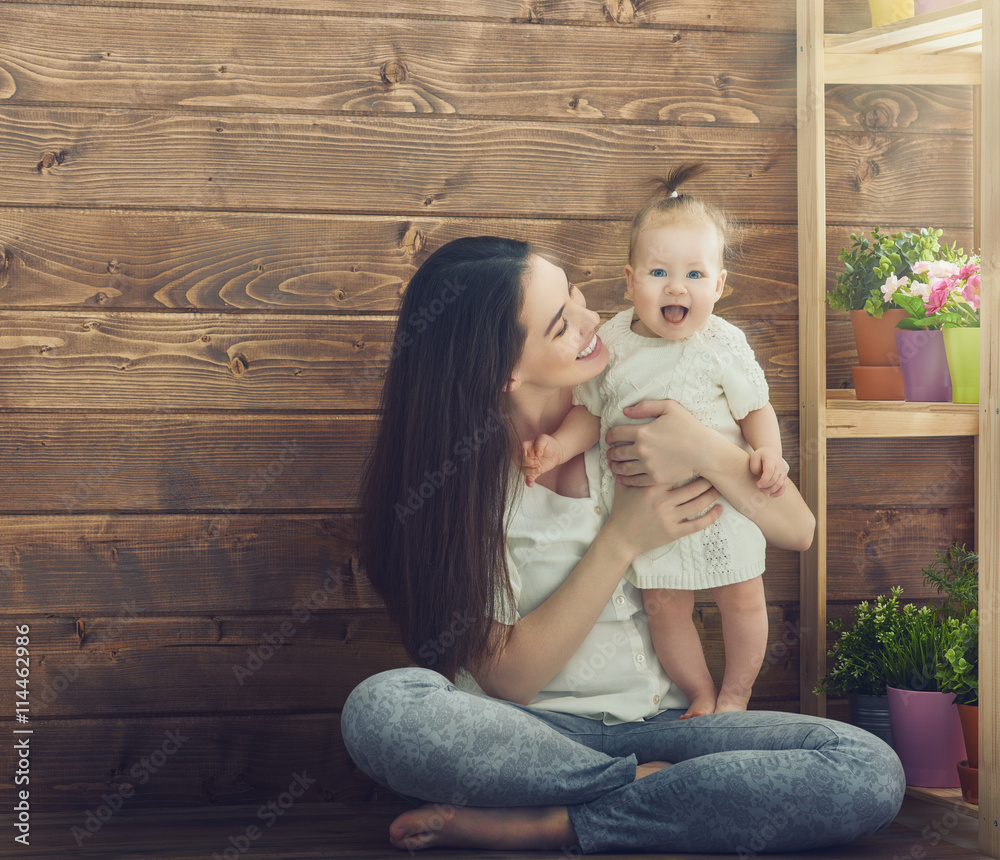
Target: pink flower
<point>969,270</point>
<point>971,291</point>
<point>920,266</point>
<point>940,293</point>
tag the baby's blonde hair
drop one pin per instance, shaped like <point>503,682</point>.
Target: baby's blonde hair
<point>669,206</point>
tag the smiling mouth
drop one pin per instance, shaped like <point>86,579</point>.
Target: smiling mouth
<point>590,347</point>
<point>674,314</point>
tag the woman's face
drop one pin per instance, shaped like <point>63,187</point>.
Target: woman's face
<point>562,348</point>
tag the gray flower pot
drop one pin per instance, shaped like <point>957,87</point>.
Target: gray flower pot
<point>872,714</point>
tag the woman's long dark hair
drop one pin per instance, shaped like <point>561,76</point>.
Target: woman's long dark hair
<point>435,488</point>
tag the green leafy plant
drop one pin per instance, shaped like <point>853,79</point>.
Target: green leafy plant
<point>870,261</point>
<point>913,649</point>
<point>858,655</point>
<point>956,576</point>
<point>958,671</point>
<point>933,647</point>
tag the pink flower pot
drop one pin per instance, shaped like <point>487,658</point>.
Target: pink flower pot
<point>927,736</point>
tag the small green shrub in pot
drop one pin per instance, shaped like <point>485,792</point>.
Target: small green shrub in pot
<point>858,655</point>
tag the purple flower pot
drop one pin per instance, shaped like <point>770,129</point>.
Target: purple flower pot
<point>927,736</point>
<point>924,364</point>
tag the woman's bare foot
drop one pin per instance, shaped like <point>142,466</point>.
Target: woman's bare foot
<point>649,768</point>
<point>502,828</point>
<point>701,705</point>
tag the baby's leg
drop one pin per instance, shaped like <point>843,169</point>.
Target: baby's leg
<point>676,642</point>
<point>744,629</point>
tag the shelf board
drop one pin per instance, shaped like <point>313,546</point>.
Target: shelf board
<point>943,47</point>
<point>847,417</point>
<point>950,797</point>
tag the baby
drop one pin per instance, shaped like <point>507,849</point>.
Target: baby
<point>673,347</point>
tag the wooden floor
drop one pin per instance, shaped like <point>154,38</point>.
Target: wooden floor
<point>338,832</point>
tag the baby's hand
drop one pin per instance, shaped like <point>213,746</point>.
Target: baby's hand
<point>539,457</point>
<point>767,463</point>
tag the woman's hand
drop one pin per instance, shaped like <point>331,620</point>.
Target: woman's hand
<point>673,448</point>
<point>646,517</point>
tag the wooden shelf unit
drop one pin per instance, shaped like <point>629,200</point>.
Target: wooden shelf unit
<point>956,46</point>
<point>847,417</point>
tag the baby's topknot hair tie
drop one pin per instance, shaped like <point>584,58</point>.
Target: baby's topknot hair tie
<point>674,193</point>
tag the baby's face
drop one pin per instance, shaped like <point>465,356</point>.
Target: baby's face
<point>675,279</point>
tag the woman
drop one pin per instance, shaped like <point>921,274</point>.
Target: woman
<point>518,593</point>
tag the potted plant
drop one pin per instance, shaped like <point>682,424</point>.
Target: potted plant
<point>858,669</point>
<point>959,674</point>
<point>938,339</point>
<point>869,262</point>
<point>956,575</point>
<point>926,731</point>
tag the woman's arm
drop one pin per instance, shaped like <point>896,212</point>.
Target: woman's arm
<point>670,449</point>
<point>542,642</point>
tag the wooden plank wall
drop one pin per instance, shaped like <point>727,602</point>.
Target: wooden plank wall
<point>207,217</point>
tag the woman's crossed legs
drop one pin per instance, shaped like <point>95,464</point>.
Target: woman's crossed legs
<point>497,775</point>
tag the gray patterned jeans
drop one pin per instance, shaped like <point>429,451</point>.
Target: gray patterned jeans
<point>744,783</point>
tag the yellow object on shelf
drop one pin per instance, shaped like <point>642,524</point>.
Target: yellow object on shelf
<point>887,11</point>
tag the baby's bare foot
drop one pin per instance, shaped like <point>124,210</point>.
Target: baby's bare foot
<point>730,702</point>
<point>701,705</point>
<point>507,828</point>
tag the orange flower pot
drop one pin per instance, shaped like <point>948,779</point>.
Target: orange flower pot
<point>969,716</point>
<point>875,337</point>
<point>968,778</point>
<point>878,383</point>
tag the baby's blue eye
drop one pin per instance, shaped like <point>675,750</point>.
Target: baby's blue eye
<point>658,273</point>
<point>694,274</point>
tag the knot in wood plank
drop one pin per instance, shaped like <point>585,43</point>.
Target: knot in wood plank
<point>392,72</point>
<point>49,160</point>
<point>8,86</point>
<point>6,259</point>
<point>413,241</point>
<point>880,116</point>
<point>239,364</point>
<point>620,11</point>
<point>868,171</point>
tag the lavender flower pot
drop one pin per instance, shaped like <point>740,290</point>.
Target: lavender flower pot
<point>927,736</point>
<point>924,363</point>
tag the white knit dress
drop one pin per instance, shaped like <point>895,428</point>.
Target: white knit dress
<point>716,377</point>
